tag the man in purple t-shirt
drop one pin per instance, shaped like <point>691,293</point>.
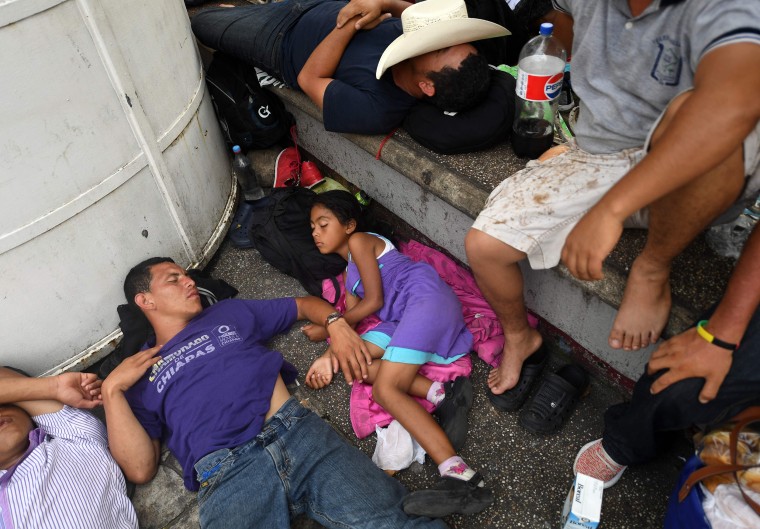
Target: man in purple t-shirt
<point>215,393</point>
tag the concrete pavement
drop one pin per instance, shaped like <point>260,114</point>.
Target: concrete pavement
<point>530,475</point>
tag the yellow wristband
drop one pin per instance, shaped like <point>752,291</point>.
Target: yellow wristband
<point>709,338</point>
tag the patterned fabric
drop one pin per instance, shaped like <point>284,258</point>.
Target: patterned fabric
<point>592,460</point>
<point>67,479</point>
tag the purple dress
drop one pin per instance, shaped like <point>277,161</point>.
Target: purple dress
<point>421,317</point>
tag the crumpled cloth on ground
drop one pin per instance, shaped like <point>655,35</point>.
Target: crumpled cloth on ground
<point>726,508</point>
<point>481,320</point>
<point>396,449</point>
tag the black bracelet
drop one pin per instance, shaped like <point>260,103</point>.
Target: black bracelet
<point>332,318</point>
<point>709,338</point>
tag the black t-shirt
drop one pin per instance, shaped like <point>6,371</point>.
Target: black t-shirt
<point>354,101</point>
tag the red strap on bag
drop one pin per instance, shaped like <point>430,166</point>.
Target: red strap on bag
<point>382,143</point>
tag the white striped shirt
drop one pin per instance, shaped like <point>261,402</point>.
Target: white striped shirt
<point>68,481</point>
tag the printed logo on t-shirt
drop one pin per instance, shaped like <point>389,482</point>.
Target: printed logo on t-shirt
<point>667,65</point>
<point>163,371</point>
<point>226,334</point>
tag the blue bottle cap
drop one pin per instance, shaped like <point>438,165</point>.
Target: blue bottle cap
<point>236,149</point>
<point>546,29</point>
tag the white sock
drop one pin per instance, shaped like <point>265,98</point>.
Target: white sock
<point>436,393</point>
<point>455,467</point>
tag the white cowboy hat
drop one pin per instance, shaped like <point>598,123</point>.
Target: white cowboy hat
<point>432,25</point>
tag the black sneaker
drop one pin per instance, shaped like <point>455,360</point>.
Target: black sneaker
<point>449,496</point>
<point>453,410</point>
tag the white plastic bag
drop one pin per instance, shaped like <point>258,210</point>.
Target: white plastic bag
<point>396,449</point>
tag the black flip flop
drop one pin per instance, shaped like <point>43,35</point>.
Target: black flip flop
<point>555,400</point>
<point>512,399</point>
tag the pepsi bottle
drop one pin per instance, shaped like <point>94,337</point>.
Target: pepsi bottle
<point>540,70</point>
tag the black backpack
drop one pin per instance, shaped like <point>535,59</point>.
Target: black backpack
<point>250,116</point>
<point>281,232</point>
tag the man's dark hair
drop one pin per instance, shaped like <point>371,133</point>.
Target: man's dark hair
<point>343,205</point>
<point>458,90</point>
<point>138,278</point>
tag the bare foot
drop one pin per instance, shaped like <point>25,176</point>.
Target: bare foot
<point>645,308</point>
<point>516,349</point>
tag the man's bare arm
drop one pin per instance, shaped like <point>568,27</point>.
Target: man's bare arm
<point>135,452</point>
<point>688,355</point>
<point>697,141</point>
<point>688,147</point>
<point>38,396</point>
<point>320,67</point>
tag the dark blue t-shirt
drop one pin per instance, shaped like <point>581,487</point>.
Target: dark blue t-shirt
<point>354,101</point>
<point>213,385</point>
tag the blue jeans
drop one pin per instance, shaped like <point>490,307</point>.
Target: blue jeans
<point>299,465</point>
<point>254,34</point>
<point>631,430</point>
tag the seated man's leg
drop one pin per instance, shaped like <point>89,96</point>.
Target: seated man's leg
<point>631,429</point>
<point>494,265</point>
<point>530,214</point>
<point>674,221</point>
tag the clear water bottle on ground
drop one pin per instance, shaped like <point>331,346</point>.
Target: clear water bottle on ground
<point>540,71</point>
<point>245,175</point>
<point>729,239</point>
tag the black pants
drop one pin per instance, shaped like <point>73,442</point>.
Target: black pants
<point>631,429</point>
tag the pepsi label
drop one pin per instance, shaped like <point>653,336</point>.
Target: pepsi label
<point>533,87</point>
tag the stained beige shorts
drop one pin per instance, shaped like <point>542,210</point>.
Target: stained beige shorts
<point>535,209</point>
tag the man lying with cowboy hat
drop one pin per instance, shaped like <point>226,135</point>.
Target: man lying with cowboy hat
<point>364,63</point>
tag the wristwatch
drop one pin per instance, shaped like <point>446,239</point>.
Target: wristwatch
<point>332,318</point>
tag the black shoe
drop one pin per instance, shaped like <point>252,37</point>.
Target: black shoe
<point>453,410</point>
<point>513,399</point>
<point>449,496</point>
<point>555,400</point>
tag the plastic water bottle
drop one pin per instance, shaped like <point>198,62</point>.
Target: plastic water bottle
<point>540,71</point>
<point>241,166</point>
